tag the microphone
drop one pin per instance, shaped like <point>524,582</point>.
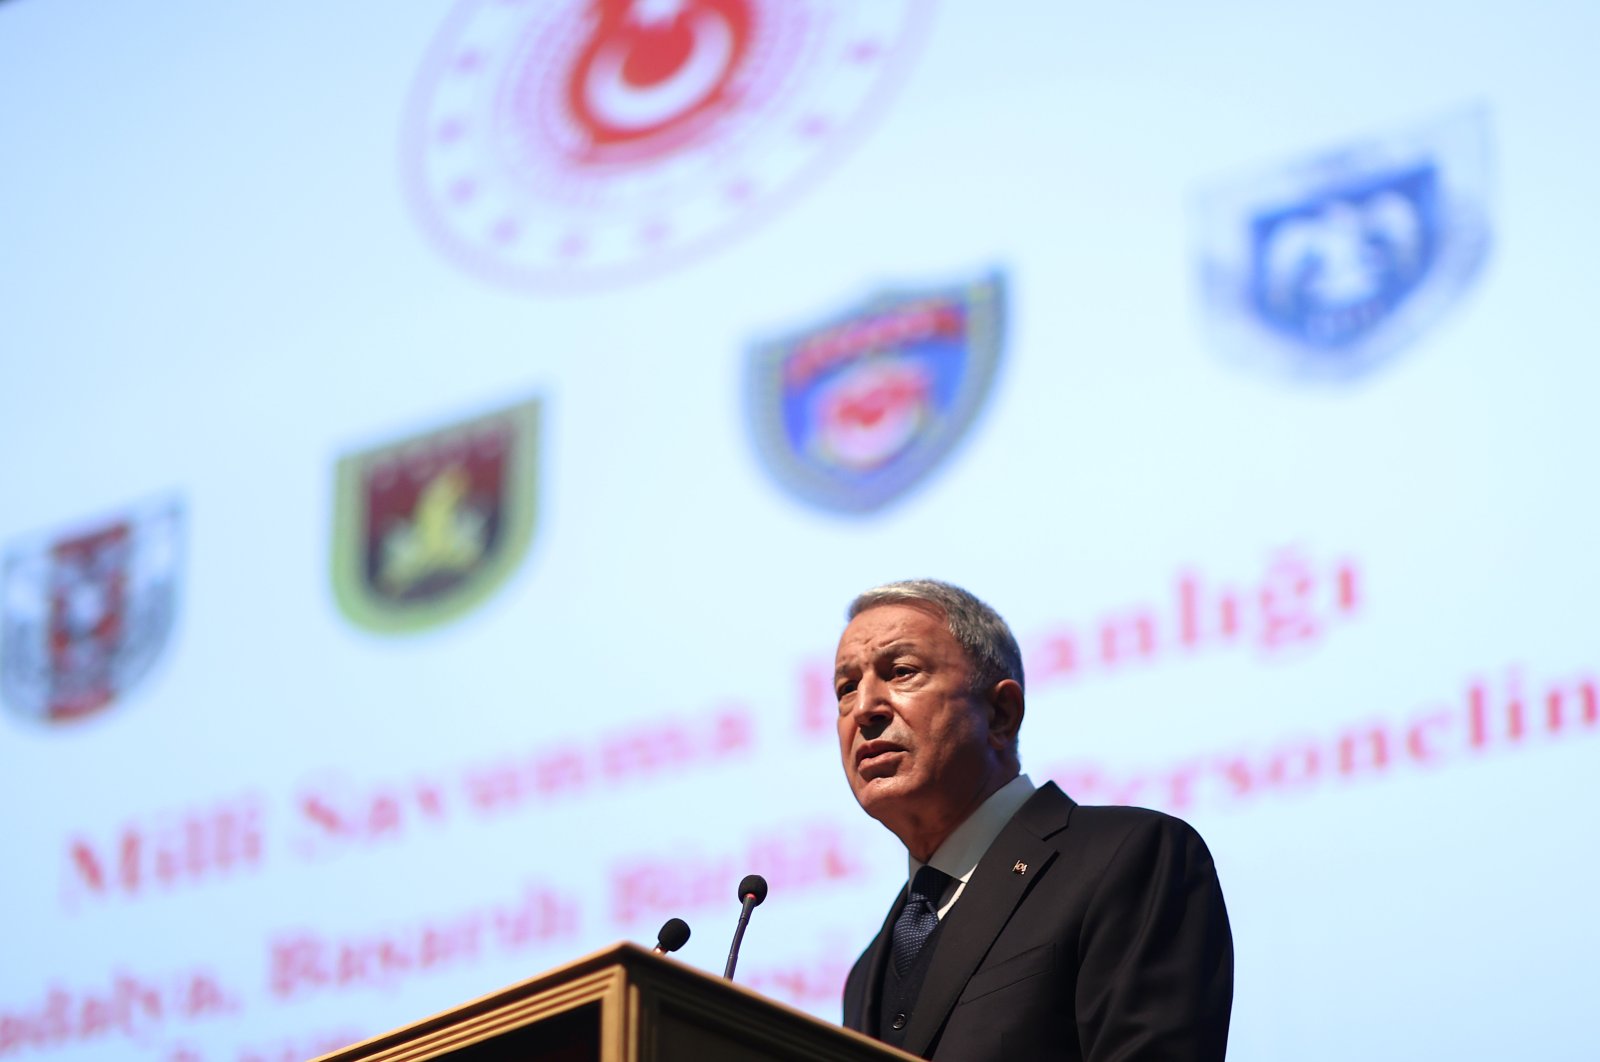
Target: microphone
<point>752,890</point>
<point>674,935</point>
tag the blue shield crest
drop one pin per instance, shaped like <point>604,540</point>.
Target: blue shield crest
<point>1327,267</point>
<point>851,413</point>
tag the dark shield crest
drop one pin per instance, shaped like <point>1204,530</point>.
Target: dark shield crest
<point>429,525</point>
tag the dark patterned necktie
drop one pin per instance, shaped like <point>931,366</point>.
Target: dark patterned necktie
<point>918,919</point>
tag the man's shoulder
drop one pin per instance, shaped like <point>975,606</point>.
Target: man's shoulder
<point>1049,802</point>
<point>1070,824</point>
<point>1126,818</point>
<point>1140,842</point>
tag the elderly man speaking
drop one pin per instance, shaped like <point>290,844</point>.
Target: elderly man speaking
<point>1031,927</point>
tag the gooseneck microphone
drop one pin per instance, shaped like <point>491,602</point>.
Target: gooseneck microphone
<point>674,935</point>
<point>752,890</point>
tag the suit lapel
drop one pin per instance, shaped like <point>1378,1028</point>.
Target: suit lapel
<point>985,906</point>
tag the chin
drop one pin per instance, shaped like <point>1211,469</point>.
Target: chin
<point>878,796</point>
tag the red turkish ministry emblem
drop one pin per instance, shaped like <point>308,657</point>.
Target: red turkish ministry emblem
<point>567,143</point>
<point>644,84</point>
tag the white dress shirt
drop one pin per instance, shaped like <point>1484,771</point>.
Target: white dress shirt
<point>959,854</point>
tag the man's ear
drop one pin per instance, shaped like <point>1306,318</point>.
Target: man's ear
<point>1005,714</point>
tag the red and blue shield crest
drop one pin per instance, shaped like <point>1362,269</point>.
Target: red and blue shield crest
<point>852,413</point>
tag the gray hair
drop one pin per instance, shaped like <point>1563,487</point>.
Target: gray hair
<point>978,629</point>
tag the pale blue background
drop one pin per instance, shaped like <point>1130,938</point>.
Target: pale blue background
<point>211,282</point>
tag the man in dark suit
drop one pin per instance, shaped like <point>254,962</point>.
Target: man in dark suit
<point>1031,927</point>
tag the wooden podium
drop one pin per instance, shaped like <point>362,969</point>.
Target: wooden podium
<point>623,1004</point>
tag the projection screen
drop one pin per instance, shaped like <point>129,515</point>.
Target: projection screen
<point>442,440</point>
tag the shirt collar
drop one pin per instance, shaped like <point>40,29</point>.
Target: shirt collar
<point>959,854</point>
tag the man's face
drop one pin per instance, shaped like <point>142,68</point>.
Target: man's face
<point>917,745</point>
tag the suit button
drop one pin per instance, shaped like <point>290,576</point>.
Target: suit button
<point>899,1021</point>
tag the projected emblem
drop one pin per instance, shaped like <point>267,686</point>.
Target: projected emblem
<point>1328,266</point>
<point>88,612</point>
<point>427,526</point>
<point>852,413</point>
<point>568,143</point>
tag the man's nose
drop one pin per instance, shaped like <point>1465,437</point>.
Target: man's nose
<point>872,704</point>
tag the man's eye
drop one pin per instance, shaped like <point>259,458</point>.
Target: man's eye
<point>844,688</point>
<point>904,671</point>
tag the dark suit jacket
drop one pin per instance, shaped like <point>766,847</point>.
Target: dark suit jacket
<point>1092,933</point>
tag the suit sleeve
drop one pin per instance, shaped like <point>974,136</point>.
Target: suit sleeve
<point>1155,963</point>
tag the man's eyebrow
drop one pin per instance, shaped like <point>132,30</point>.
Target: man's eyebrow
<point>892,649</point>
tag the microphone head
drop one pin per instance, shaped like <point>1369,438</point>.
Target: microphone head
<point>753,885</point>
<point>674,935</point>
